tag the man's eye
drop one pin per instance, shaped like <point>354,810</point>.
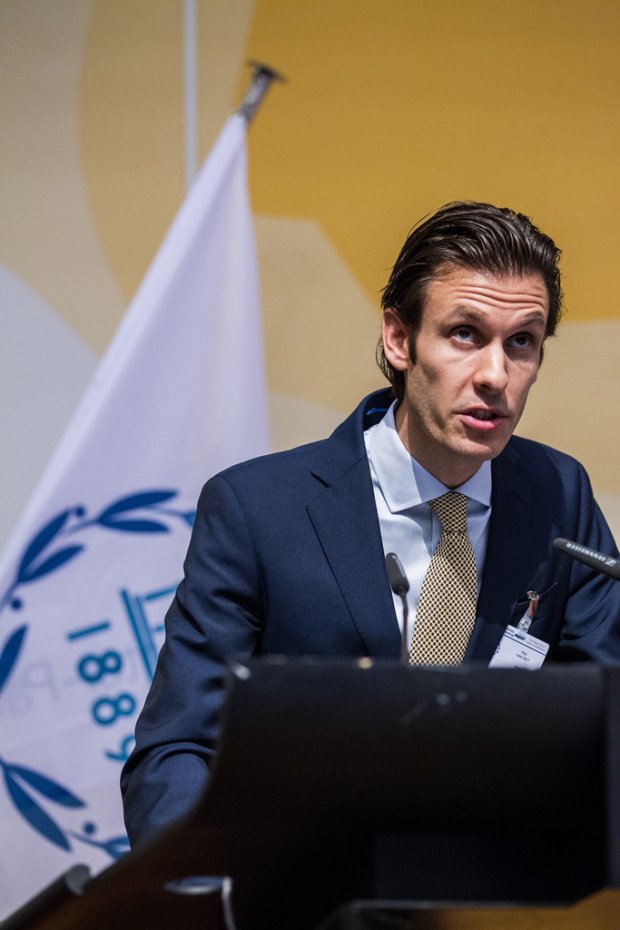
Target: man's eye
<point>521,341</point>
<point>463,333</point>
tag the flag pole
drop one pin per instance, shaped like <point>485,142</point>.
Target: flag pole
<point>190,90</point>
<point>262,77</point>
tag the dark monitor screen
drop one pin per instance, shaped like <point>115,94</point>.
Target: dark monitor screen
<point>453,784</point>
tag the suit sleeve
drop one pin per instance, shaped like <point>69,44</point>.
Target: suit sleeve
<point>591,627</point>
<point>217,613</point>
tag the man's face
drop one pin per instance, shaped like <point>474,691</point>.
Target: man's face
<point>477,354</point>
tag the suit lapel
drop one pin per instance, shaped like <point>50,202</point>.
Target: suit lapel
<point>505,569</point>
<point>344,517</point>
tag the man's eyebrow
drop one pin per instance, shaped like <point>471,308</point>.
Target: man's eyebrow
<point>465,313</point>
<point>536,317</point>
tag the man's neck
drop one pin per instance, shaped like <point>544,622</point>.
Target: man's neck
<point>448,467</point>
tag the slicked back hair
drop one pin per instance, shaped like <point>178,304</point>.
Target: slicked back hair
<point>466,234</point>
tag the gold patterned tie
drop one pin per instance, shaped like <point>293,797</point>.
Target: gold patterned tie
<point>447,606</point>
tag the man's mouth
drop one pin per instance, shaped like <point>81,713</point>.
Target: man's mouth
<point>488,418</point>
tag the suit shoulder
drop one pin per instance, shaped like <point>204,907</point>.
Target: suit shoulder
<point>538,455</point>
<point>300,457</point>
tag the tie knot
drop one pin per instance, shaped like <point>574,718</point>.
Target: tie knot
<point>451,509</point>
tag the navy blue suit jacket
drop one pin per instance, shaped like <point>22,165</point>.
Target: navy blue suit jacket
<point>286,558</point>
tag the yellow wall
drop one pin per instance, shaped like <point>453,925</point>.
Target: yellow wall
<point>392,107</point>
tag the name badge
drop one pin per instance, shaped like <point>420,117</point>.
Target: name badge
<point>517,649</point>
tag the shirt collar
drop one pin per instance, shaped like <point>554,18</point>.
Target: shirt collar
<point>404,482</point>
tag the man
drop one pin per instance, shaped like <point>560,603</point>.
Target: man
<point>288,551</point>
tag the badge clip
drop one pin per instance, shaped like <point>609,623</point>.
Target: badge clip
<point>526,620</point>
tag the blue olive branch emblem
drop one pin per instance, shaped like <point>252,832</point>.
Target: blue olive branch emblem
<point>51,548</point>
<point>23,784</point>
<point>40,558</point>
<point>10,652</point>
<point>115,846</point>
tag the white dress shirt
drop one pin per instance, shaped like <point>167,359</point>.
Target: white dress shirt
<point>409,527</point>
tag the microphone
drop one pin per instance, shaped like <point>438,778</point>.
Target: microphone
<point>400,586</point>
<point>396,574</point>
<point>596,560</point>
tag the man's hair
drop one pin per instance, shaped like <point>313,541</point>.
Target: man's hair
<point>465,234</point>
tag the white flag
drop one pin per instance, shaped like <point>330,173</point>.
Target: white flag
<point>93,564</point>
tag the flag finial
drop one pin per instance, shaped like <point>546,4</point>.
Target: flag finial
<point>261,79</point>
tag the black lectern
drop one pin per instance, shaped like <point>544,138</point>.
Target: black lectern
<point>385,786</point>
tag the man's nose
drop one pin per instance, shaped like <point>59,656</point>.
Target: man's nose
<point>492,368</point>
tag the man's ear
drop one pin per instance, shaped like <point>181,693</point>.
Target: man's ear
<point>395,338</point>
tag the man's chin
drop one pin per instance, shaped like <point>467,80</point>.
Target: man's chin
<point>484,450</point>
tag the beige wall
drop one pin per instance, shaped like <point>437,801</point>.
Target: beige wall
<point>392,107</point>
